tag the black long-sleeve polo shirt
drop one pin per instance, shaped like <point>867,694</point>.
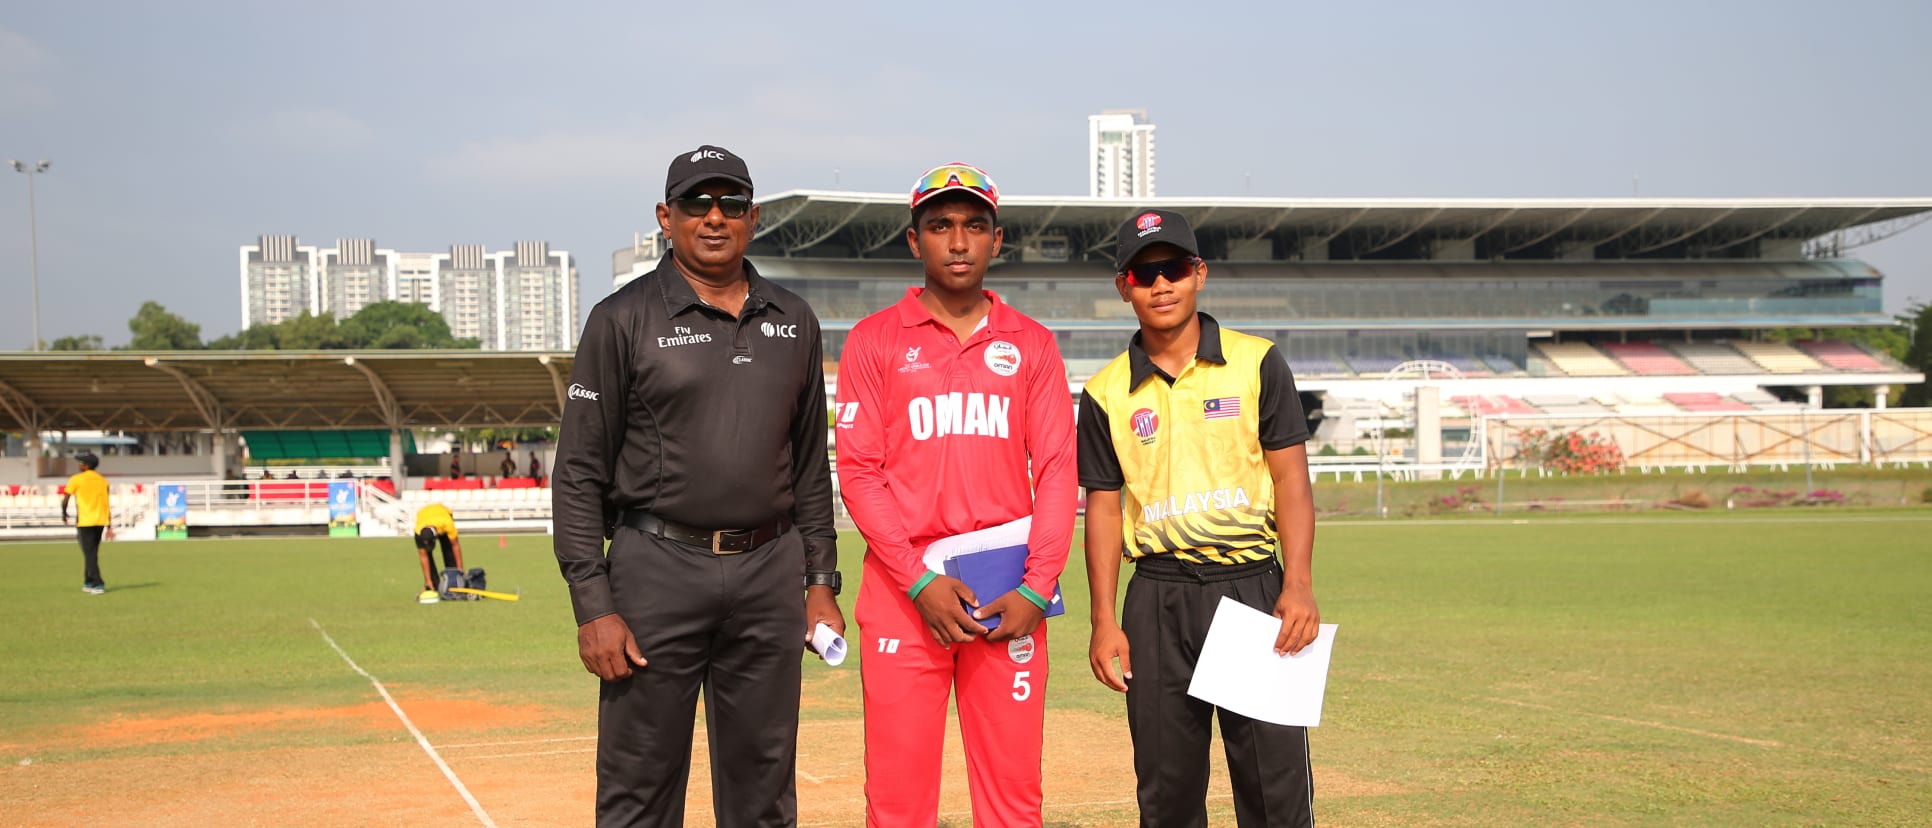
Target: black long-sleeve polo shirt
<point>677,408</point>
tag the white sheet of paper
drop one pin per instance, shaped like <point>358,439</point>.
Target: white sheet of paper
<point>1239,670</point>
<point>993,537</point>
<point>829,644</point>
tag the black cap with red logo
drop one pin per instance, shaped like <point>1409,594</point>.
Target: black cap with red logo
<point>1149,227</point>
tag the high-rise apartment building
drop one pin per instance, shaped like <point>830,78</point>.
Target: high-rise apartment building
<point>278,280</point>
<point>524,299</point>
<point>354,274</point>
<point>1120,150</point>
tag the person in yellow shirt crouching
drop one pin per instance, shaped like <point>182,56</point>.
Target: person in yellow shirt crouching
<point>435,525</point>
<point>89,488</point>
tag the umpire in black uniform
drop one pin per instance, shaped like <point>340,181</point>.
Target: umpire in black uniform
<point>694,439</point>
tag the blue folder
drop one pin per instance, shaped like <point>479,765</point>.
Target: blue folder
<point>992,573</point>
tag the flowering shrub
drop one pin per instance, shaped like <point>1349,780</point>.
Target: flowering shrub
<point>1573,452</point>
<point>1466,499</point>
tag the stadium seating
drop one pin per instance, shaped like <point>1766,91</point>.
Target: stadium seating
<point>1647,359</point>
<point>1715,358</point>
<point>1843,356</point>
<point>1494,404</point>
<point>1579,359</point>
<point>1701,401</point>
<point>1778,358</point>
<point>1318,366</point>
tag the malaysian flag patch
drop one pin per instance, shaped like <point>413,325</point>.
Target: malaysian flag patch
<point>1221,408</point>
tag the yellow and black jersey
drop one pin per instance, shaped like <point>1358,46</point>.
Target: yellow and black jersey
<point>1186,452</point>
<point>89,490</point>
<point>436,516</point>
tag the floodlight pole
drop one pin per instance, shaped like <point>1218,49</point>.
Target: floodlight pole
<point>33,235</point>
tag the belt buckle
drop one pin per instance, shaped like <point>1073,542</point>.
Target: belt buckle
<point>716,537</point>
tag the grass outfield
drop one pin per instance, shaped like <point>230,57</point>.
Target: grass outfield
<point>1714,670</point>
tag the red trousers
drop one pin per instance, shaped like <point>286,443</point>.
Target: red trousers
<point>1001,689</point>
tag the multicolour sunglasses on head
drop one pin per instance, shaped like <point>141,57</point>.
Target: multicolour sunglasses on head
<point>956,176</point>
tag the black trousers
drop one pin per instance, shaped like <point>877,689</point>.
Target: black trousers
<point>733,625</point>
<point>1166,614</point>
<point>90,542</point>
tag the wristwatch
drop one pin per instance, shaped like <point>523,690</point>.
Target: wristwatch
<point>831,579</point>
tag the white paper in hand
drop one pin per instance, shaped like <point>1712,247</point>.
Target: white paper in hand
<point>1239,670</point>
<point>829,644</point>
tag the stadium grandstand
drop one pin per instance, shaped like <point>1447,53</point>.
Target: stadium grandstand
<point>330,420</point>
<point>1518,308</point>
<point>1415,329</point>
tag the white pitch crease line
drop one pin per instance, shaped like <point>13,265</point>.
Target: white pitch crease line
<point>521,742</point>
<point>475,807</point>
<point>532,753</point>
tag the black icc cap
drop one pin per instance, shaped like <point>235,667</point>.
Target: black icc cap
<point>1149,227</point>
<point>690,169</point>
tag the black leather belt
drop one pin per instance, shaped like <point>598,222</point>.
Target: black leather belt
<point>1166,567</point>
<point>720,542</point>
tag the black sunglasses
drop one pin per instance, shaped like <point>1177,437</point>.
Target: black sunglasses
<point>698,206</point>
<point>1146,274</point>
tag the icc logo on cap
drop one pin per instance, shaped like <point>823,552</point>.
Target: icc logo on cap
<point>702,154</point>
<point>1147,221</point>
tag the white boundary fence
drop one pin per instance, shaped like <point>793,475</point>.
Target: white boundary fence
<point>1825,438</point>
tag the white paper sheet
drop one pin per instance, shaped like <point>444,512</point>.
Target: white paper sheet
<point>1239,670</point>
<point>829,644</point>
<point>1009,533</point>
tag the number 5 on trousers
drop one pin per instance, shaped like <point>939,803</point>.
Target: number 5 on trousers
<point>1022,689</point>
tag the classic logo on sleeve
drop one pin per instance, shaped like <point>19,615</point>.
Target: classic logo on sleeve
<point>578,392</point>
<point>1003,357</point>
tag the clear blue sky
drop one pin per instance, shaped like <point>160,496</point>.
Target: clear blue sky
<point>180,131</point>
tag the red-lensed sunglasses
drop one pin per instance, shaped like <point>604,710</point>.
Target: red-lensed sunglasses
<point>1146,274</point>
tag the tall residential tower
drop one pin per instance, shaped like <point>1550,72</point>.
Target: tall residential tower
<point>1120,152</point>
<point>524,299</point>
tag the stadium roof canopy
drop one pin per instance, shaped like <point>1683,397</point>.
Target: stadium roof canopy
<point>861,225</point>
<point>276,390</point>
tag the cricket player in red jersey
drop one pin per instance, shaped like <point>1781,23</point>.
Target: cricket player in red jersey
<point>953,416</point>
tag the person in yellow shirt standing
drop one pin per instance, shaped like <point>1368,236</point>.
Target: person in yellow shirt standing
<point>91,517</point>
<point>435,524</point>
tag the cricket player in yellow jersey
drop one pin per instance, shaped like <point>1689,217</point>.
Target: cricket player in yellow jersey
<point>435,524</point>
<point>89,490</point>
<point>1192,453</point>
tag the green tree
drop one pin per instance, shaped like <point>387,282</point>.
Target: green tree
<point>255,338</point>
<point>83,342</point>
<point>310,333</point>
<point>1918,357</point>
<point>155,329</point>
<point>396,325</point>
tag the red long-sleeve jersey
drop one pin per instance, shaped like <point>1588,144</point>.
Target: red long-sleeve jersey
<point>936,438</point>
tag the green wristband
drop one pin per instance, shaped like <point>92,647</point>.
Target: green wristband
<point>1028,593</point>
<point>920,585</point>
